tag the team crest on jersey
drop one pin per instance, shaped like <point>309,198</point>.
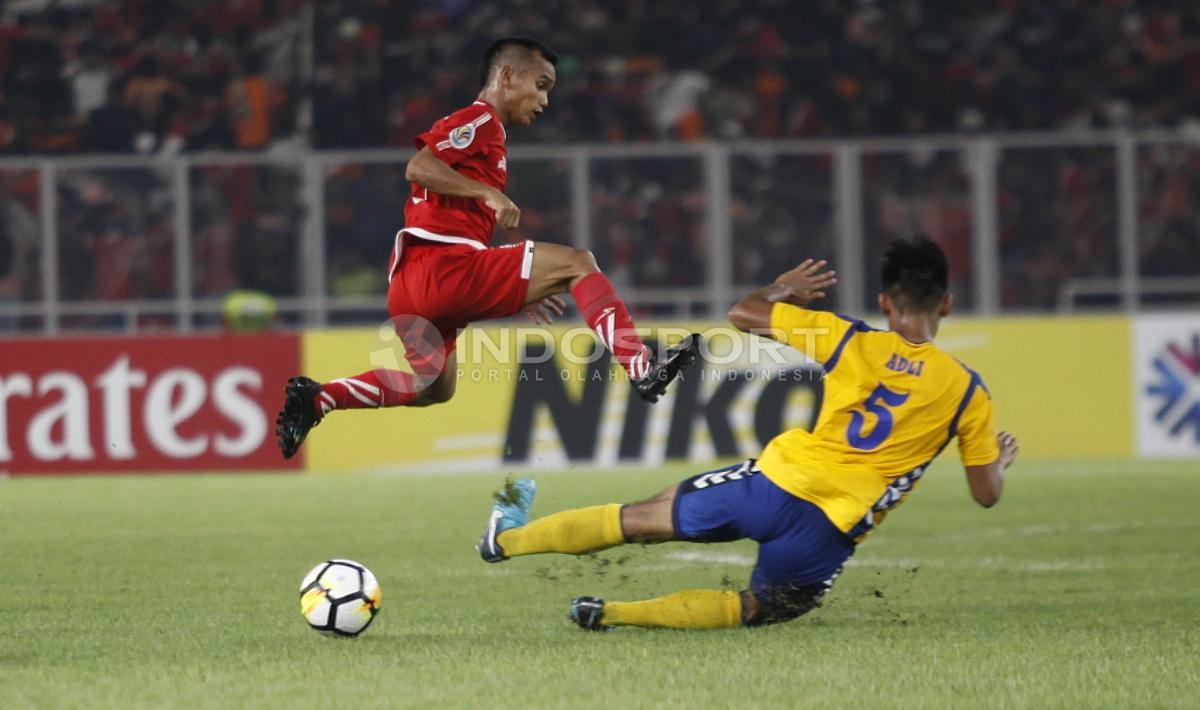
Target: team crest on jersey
<point>462,136</point>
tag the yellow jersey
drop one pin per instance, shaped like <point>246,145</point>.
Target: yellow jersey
<point>889,408</point>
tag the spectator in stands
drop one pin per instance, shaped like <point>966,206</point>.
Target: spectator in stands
<point>155,97</point>
<point>251,99</point>
<point>90,77</point>
<point>1170,224</point>
<point>632,71</point>
<point>18,240</point>
<point>112,126</point>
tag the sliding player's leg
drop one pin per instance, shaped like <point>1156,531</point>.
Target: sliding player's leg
<point>558,269</point>
<point>795,568</point>
<point>800,555</point>
<point>686,609</point>
<point>706,508</point>
<point>704,608</point>
<point>580,531</point>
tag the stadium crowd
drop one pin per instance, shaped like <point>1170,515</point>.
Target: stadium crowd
<point>141,75</point>
<point>158,78</point>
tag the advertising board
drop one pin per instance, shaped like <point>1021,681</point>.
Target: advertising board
<point>150,403</point>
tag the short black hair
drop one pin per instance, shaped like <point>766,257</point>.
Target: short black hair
<point>915,274</point>
<point>528,44</point>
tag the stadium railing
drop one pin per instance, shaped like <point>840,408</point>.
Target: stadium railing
<point>1033,222</point>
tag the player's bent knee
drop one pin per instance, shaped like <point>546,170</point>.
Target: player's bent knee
<point>439,396</point>
<point>437,393</point>
<point>665,496</point>
<point>584,261</point>
<point>648,521</point>
<point>781,603</point>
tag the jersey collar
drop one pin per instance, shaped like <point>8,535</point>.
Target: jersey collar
<point>481,102</point>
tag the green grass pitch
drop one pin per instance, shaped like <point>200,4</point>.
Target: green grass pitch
<point>1079,589</point>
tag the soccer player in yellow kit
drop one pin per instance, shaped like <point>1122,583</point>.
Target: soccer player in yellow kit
<point>892,402</point>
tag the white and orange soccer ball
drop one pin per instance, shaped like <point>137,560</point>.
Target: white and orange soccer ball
<point>340,597</point>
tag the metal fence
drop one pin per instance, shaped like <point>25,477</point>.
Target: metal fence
<point>1030,222</point>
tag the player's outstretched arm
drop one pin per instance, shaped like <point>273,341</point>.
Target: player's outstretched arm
<point>799,287</point>
<point>987,482</point>
<point>434,175</point>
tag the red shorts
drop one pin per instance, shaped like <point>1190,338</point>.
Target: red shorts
<point>439,288</point>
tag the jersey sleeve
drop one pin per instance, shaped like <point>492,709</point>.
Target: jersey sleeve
<point>460,136</point>
<point>976,437</point>
<point>818,334</point>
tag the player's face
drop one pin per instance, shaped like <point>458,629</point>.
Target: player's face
<point>529,91</point>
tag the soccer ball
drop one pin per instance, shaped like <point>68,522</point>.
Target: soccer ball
<point>339,597</point>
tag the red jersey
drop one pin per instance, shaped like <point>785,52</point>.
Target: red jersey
<point>470,140</point>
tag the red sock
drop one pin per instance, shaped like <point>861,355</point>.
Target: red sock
<point>373,389</point>
<point>607,315</point>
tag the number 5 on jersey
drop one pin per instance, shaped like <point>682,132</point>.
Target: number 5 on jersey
<point>878,403</point>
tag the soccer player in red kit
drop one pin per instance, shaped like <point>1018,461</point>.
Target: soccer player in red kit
<point>444,274</point>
